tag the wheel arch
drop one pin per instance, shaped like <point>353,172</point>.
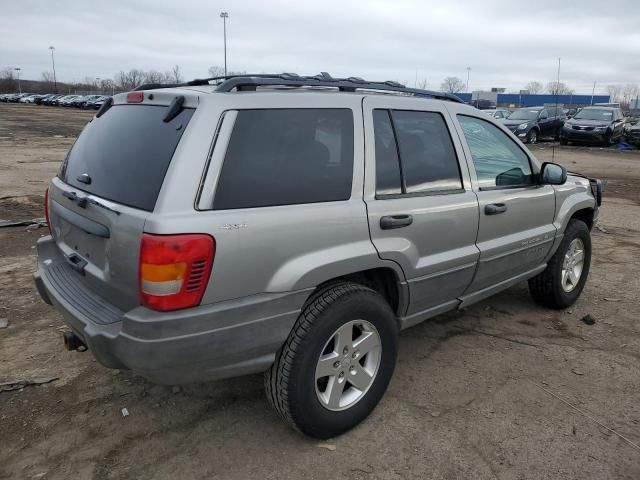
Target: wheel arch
<point>586,215</point>
<point>384,280</point>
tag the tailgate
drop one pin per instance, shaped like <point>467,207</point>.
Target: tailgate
<point>100,241</point>
<point>108,186</point>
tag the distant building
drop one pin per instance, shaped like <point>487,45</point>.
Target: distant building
<point>528,100</point>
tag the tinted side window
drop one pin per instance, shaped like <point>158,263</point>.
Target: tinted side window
<point>286,157</point>
<point>427,155</point>
<point>498,160</point>
<point>388,179</point>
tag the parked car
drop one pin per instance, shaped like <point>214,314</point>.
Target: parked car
<point>633,133</point>
<point>497,113</point>
<point>30,98</point>
<point>82,102</point>
<point>77,101</point>
<point>95,103</point>
<point>531,123</point>
<point>43,98</point>
<point>483,104</point>
<point>603,125</point>
<point>66,100</point>
<point>199,234</point>
<point>16,97</point>
<point>52,100</point>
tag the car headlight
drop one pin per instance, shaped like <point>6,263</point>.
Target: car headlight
<point>522,126</point>
<point>601,128</point>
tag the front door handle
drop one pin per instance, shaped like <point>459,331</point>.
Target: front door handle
<point>495,208</point>
<point>395,221</point>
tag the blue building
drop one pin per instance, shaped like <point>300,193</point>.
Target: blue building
<point>529,100</point>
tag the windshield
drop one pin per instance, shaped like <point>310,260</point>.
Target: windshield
<point>524,114</point>
<point>594,114</point>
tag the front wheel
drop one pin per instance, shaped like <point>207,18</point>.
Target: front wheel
<point>561,283</point>
<point>532,136</point>
<point>337,362</point>
<point>608,139</point>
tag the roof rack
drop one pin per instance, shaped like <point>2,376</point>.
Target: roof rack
<point>250,82</point>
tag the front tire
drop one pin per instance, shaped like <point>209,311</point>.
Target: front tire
<point>561,283</point>
<point>532,136</point>
<point>608,140</point>
<point>337,362</point>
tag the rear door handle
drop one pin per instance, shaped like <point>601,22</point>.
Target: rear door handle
<point>495,208</point>
<point>395,221</point>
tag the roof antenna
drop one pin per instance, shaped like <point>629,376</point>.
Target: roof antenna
<point>553,148</point>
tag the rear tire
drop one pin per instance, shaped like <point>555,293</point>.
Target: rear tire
<point>560,284</point>
<point>297,385</point>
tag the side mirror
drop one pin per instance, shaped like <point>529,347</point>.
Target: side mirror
<point>553,174</point>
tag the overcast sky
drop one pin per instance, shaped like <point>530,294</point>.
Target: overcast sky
<point>506,43</point>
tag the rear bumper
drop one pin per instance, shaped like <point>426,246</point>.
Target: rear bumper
<point>209,342</point>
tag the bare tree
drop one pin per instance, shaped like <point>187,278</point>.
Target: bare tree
<point>629,93</point>
<point>534,87</point>
<point>614,92</point>
<point>153,76</point>
<point>7,80</point>
<point>452,85</point>
<point>47,78</point>
<point>173,75</point>
<point>129,80</point>
<point>422,84</point>
<point>559,88</point>
<point>216,71</point>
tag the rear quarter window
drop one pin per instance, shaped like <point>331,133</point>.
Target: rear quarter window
<point>126,153</point>
<point>286,157</point>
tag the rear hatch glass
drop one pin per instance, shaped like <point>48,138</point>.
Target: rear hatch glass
<point>124,155</point>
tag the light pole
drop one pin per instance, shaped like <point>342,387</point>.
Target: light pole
<point>53,63</point>
<point>468,71</point>
<point>17,69</point>
<point>224,16</point>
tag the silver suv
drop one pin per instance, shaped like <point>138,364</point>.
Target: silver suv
<point>293,226</point>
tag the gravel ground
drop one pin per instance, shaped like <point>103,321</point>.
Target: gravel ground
<point>502,390</point>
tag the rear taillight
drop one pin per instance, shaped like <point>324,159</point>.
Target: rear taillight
<point>174,270</point>
<point>46,209</point>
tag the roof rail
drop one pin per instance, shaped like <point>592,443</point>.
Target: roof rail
<point>249,82</point>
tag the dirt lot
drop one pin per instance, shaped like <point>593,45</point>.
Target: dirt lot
<point>504,389</point>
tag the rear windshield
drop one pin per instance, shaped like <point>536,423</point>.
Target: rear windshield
<point>125,153</point>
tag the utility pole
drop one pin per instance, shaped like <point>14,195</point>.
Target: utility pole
<point>224,16</point>
<point>53,63</point>
<point>593,91</point>
<point>17,69</point>
<point>468,71</point>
